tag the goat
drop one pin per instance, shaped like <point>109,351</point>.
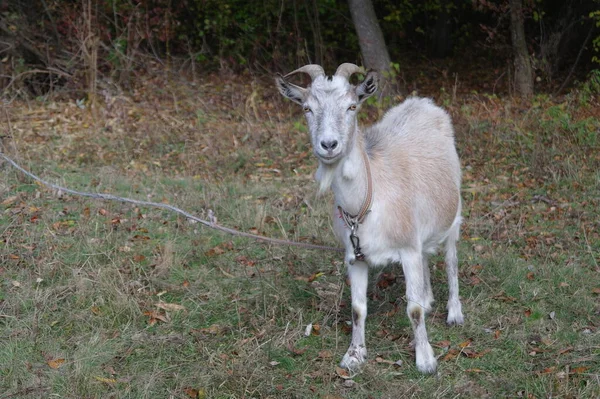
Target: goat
<point>396,188</point>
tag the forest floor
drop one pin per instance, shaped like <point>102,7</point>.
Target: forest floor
<point>111,300</point>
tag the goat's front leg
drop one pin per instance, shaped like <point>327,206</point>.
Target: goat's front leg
<point>417,297</point>
<point>358,274</point>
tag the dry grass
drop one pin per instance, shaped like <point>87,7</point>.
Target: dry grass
<point>107,300</point>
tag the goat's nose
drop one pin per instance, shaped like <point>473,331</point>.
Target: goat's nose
<point>329,145</point>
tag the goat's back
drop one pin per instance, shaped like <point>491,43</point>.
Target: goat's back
<point>417,165</point>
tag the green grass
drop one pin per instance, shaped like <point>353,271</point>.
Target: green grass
<point>103,299</point>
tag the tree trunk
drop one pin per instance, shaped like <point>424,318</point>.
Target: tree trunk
<point>523,75</point>
<point>370,37</point>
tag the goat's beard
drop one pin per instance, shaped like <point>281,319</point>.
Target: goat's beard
<point>324,176</point>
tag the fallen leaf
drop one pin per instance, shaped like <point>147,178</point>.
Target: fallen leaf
<point>565,350</point>
<point>579,370</point>
<point>527,312</point>
<point>106,380</point>
<point>55,363</point>
<point>316,329</point>
<point>296,351</point>
<point>170,306</point>
<point>325,354</point>
<point>496,334</point>
<point>443,344</point>
<point>10,200</point>
<point>215,251</point>
<point>214,329</point>
<point>530,276</point>
<point>450,355</point>
<point>475,371</point>
<point>342,373</point>
<point>596,291</point>
<point>471,354</point>
<point>548,370</point>
<point>504,298</point>
<point>465,344</point>
<point>155,316</point>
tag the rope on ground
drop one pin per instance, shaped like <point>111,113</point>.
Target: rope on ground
<point>208,223</point>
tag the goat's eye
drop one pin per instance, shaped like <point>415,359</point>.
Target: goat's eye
<point>306,109</point>
<point>352,107</point>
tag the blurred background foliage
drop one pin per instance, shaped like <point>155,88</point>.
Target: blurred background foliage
<point>116,37</point>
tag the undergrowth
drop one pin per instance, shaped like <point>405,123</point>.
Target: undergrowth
<point>103,299</point>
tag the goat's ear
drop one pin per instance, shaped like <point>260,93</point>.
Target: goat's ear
<point>368,87</point>
<point>289,90</point>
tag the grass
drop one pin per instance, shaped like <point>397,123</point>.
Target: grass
<point>107,300</point>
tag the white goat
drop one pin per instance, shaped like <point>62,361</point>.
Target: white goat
<point>397,189</point>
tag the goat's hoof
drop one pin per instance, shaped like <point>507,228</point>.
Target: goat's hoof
<point>354,358</point>
<point>455,315</point>
<point>426,362</point>
<point>455,319</point>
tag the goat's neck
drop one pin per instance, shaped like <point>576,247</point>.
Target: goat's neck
<point>349,180</point>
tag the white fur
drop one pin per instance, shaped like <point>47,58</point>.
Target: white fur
<point>416,197</point>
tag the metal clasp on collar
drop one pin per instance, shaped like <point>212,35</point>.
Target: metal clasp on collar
<point>355,241</point>
<point>353,222</point>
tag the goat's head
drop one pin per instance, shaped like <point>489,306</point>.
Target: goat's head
<point>330,105</point>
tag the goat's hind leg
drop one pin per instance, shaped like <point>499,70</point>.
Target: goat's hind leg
<point>358,274</point>
<point>455,315</point>
<point>428,292</point>
<point>416,296</point>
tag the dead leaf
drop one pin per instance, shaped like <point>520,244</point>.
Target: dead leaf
<point>155,316</point>
<point>471,354</point>
<point>10,200</point>
<point>215,251</point>
<point>450,355</point>
<point>475,371</point>
<point>596,291</point>
<point>106,380</point>
<point>504,298</point>
<point>56,363</point>
<point>379,359</point>
<point>565,350</point>
<point>170,306</point>
<point>466,343</point>
<point>496,334</point>
<point>530,276</point>
<point>214,329</point>
<point>296,351</point>
<point>342,373</point>
<point>195,393</point>
<point>579,370</point>
<point>325,354</point>
<point>316,329</point>
<point>548,370</point>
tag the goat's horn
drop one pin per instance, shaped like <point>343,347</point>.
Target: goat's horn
<point>313,70</point>
<point>347,69</point>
